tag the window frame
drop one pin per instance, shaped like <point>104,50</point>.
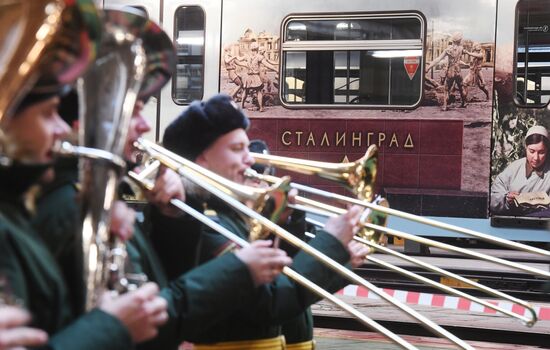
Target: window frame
<point>203,53</point>
<point>351,45</point>
<point>515,75</point>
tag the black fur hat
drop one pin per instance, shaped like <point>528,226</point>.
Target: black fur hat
<point>259,146</point>
<point>39,94</point>
<point>201,124</point>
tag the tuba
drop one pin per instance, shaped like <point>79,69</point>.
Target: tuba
<point>135,58</point>
<point>45,44</point>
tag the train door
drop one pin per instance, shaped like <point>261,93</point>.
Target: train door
<point>152,9</point>
<point>195,28</point>
<point>519,181</point>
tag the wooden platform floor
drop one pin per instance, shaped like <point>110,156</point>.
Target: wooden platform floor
<point>381,311</point>
<point>330,339</point>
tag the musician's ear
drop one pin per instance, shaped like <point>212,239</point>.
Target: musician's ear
<point>201,160</point>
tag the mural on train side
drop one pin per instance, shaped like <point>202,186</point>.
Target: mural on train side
<point>520,168</point>
<point>438,145</point>
<point>456,77</point>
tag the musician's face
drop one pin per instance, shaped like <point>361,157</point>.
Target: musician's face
<point>138,127</point>
<point>228,156</point>
<point>536,155</point>
<point>35,130</point>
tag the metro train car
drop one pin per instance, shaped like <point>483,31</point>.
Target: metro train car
<point>446,90</point>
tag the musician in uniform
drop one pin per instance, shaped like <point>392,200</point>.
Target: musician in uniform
<point>206,294</point>
<point>33,276</point>
<point>195,299</point>
<point>298,331</point>
<point>213,134</point>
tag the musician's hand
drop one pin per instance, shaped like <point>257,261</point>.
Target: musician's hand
<point>14,334</point>
<point>285,215</point>
<point>122,220</point>
<point>345,226</point>
<point>265,263</point>
<point>142,311</point>
<point>168,186</point>
<point>357,252</point>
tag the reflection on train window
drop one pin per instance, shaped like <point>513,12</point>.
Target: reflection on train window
<point>188,84</point>
<point>533,53</point>
<point>358,61</point>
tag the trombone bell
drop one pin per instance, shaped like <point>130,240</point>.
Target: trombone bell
<point>358,176</point>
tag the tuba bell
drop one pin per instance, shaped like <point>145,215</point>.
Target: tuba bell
<point>47,44</point>
<point>135,59</point>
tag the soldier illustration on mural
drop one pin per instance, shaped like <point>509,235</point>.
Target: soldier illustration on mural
<point>453,54</point>
<point>474,77</point>
<point>252,66</point>
<point>253,83</point>
<point>230,62</point>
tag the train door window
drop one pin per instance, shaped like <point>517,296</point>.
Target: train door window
<point>188,84</point>
<point>360,60</point>
<point>532,53</point>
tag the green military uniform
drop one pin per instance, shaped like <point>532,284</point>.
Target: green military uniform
<point>298,331</point>
<point>196,299</point>
<point>56,221</point>
<point>33,276</point>
<point>176,238</point>
<point>277,302</point>
<point>259,325</point>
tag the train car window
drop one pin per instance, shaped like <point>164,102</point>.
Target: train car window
<point>188,84</point>
<point>532,53</point>
<point>366,61</point>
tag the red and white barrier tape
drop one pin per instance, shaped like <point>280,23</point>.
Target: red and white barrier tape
<point>444,301</point>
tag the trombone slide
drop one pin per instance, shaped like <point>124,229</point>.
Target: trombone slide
<point>141,180</point>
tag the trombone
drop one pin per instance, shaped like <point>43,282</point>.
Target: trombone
<point>360,175</point>
<point>233,194</point>
<point>350,175</point>
<point>141,180</point>
<point>323,209</point>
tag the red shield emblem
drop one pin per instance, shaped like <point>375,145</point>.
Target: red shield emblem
<point>411,65</point>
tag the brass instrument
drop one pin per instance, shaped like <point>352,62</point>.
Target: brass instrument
<point>371,230</point>
<point>309,167</point>
<point>234,194</point>
<point>135,58</point>
<point>371,241</point>
<point>22,20</point>
<point>48,43</point>
<point>359,176</point>
<point>142,180</point>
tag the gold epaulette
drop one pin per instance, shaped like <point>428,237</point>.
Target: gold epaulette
<point>277,343</point>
